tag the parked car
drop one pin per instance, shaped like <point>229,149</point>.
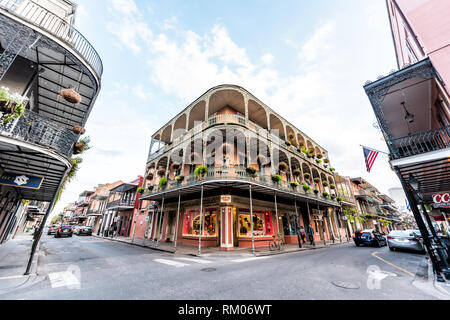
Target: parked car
<point>369,237</point>
<point>405,239</point>
<point>52,229</point>
<point>64,231</point>
<point>84,230</point>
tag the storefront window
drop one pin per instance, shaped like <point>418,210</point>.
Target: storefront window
<point>191,226</point>
<point>261,223</point>
<point>290,224</point>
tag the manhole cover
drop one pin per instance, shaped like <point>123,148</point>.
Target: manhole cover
<point>209,269</point>
<point>345,285</point>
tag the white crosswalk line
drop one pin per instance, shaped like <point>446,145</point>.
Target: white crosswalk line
<point>249,259</point>
<point>171,263</point>
<point>194,260</point>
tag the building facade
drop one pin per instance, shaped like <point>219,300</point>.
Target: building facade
<point>228,164</point>
<point>49,81</point>
<point>412,109</point>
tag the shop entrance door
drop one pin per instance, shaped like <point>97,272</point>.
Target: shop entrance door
<point>171,227</point>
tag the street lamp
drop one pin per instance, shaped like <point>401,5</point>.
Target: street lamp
<point>414,184</point>
<point>408,117</point>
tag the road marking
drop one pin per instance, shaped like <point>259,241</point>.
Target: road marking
<point>393,265</point>
<point>249,259</point>
<point>194,260</point>
<point>12,277</point>
<point>171,263</point>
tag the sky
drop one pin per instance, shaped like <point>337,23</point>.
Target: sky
<point>307,60</point>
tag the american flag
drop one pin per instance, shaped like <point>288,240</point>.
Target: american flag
<point>371,156</point>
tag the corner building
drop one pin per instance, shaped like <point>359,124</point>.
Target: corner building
<point>257,165</point>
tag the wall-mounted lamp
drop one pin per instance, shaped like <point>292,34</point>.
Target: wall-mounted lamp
<point>412,181</point>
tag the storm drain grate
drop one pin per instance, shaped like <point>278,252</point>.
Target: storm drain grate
<point>345,285</point>
<point>208,269</point>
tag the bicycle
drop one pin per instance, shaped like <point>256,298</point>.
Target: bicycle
<point>276,244</point>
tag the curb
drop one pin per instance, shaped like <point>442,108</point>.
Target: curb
<point>136,244</point>
<point>272,253</point>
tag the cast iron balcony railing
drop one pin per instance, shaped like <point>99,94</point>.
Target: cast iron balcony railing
<point>61,29</point>
<point>240,173</point>
<point>36,129</point>
<point>420,143</point>
<point>121,204</point>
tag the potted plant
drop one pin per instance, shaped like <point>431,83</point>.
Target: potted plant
<point>306,188</point>
<point>140,190</point>
<point>200,172</point>
<point>70,95</point>
<point>325,183</point>
<point>291,136</point>
<point>333,196</point>
<point>340,200</point>
<point>163,183</point>
<point>316,192</point>
<point>326,161</point>
<point>82,145</point>
<point>307,175</point>
<point>288,143</point>
<point>319,156</point>
<point>332,169</point>
<point>332,186</point>
<point>12,105</point>
<point>79,130</point>
<point>316,180</point>
<point>150,187</point>
<point>179,178</point>
<point>161,172</point>
<point>149,176</point>
<point>325,194</point>
<point>283,166</point>
<point>318,161</point>
<point>276,178</point>
<point>297,173</point>
<point>251,171</point>
<point>294,185</point>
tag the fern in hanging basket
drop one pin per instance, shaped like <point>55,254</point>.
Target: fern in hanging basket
<point>301,144</point>
<point>283,166</point>
<point>316,191</point>
<point>332,169</point>
<point>325,183</point>
<point>79,130</point>
<point>140,190</point>
<point>291,137</point>
<point>149,176</point>
<point>82,145</point>
<point>175,166</point>
<point>340,200</point>
<point>332,186</point>
<point>294,185</point>
<point>163,183</point>
<point>276,178</point>
<point>318,161</point>
<point>179,178</point>
<point>306,188</point>
<point>307,175</point>
<point>70,95</point>
<point>297,173</point>
<point>150,187</point>
<point>200,172</point>
<point>316,180</point>
<point>319,156</point>
<point>326,161</point>
<point>325,194</point>
<point>251,170</point>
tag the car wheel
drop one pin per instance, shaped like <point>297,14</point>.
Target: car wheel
<point>392,249</point>
<point>357,244</point>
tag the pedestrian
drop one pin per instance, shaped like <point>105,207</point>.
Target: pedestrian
<point>303,234</point>
<point>311,234</point>
<point>111,230</point>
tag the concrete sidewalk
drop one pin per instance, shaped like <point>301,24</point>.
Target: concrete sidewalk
<point>14,256</point>
<point>193,250</point>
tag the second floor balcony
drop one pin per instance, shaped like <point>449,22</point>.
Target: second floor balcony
<point>121,204</point>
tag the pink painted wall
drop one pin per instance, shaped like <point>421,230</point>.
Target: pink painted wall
<point>424,26</point>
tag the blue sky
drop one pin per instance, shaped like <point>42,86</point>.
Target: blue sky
<point>308,60</point>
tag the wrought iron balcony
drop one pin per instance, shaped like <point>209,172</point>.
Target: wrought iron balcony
<point>420,143</point>
<point>240,173</point>
<point>36,129</point>
<point>121,204</point>
<point>37,15</point>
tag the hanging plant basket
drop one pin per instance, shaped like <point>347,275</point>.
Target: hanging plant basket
<point>140,190</point>
<point>70,95</point>
<point>316,180</point>
<point>288,143</point>
<point>163,183</point>
<point>161,172</point>
<point>276,178</point>
<point>78,130</point>
<point>297,172</point>
<point>294,185</point>
<point>326,161</point>
<point>179,179</point>
<point>251,170</point>
<point>325,194</point>
<point>319,156</point>
<point>332,186</point>
<point>316,192</point>
<point>291,137</point>
<point>325,184</point>
<point>301,144</point>
<point>200,172</point>
<point>283,166</point>
<point>151,187</point>
<point>79,148</point>
<point>150,176</point>
<point>307,175</point>
<point>7,107</point>
<point>306,187</point>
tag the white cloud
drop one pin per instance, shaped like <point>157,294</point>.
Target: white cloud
<point>267,58</point>
<point>318,45</point>
<point>126,7</point>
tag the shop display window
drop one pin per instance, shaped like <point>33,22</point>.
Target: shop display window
<point>191,226</point>
<point>259,223</point>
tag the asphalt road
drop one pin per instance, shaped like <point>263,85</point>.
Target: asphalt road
<point>86,268</point>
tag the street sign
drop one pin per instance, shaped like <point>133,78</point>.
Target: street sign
<point>441,200</point>
<point>225,199</point>
<point>20,180</point>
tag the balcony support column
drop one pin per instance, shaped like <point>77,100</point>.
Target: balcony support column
<point>278,226</point>
<point>299,236</point>
<point>201,223</point>
<point>251,220</point>
<point>161,215</point>
<point>176,225</point>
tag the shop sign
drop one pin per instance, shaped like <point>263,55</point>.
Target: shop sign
<point>441,200</point>
<point>441,218</point>
<point>20,180</point>
<point>225,199</point>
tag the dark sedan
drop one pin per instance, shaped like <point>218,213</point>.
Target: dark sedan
<point>64,231</point>
<point>369,238</point>
<point>87,231</point>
